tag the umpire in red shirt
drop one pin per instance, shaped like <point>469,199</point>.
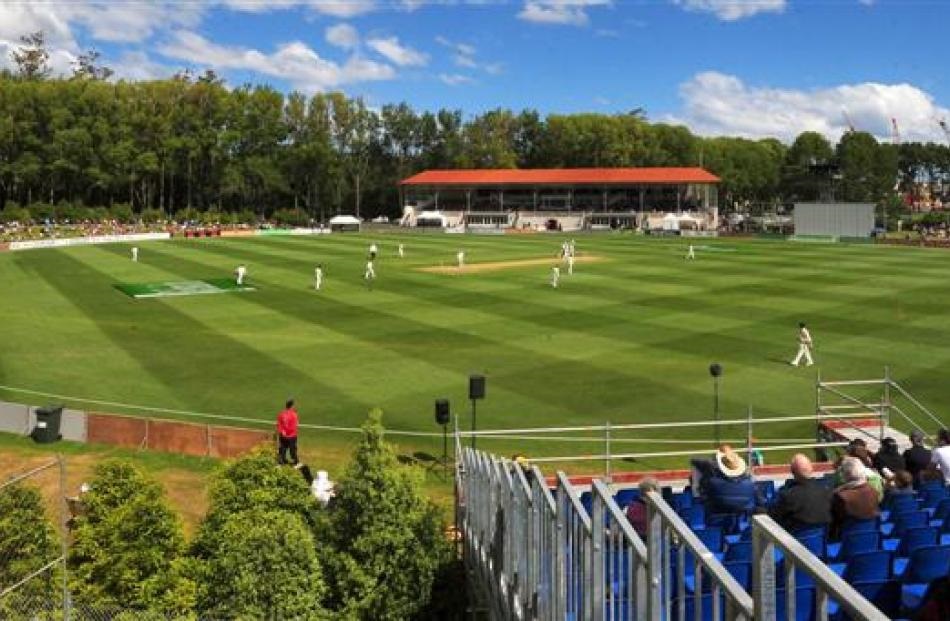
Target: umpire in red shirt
<point>287,433</point>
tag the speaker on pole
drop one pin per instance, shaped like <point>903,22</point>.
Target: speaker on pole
<point>476,387</point>
<point>442,414</point>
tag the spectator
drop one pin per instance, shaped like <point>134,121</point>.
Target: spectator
<point>803,502</point>
<point>859,452</point>
<point>854,499</point>
<point>287,433</point>
<point>917,457</point>
<point>725,483</point>
<point>888,458</point>
<point>902,483</point>
<point>941,455</point>
<point>322,487</point>
<point>637,509</point>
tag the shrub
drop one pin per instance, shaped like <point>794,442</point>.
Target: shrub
<point>384,537</point>
<point>27,543</point>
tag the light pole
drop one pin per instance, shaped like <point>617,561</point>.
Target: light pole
<point>715,369</point>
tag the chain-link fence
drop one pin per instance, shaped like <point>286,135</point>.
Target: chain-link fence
<point>34,520</point>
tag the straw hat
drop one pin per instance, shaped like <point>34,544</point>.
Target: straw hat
<point>729,462</point>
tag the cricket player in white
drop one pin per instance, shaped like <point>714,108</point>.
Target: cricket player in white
<point>370,273</point>
<point>135,254</point>
<point>461,258</point>
<point>804,346</point>
<point>240,273</point>
<point>372,251</point>
<point>690,254</point>
<point>318,277</point>
<point>402,251</point>
<point>555,276</point>
<point>570,264</point>
<point>570,248</point>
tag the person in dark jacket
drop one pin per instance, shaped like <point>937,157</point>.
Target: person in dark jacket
<point>637,509</point>
<point>803,502</point>
<point>917,457</point>
<point>889,457</point>
<point>855,499</point>
<point>725,483</point>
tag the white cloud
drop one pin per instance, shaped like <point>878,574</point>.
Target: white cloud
<point>395,52</point>
<point>564,12</point>
<point>295,62</point>
<point>455,79</point>
<point>463,55</point>
<point>732,10</point>
<point>137,65</point>
<point>335,8</point>
<point>342,36</point>
<point>719,104</point>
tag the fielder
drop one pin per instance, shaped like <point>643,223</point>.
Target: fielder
<point>135,254</point>
<point>240,273</point>
<point>370,274</point>
<point>690,253</point>
<point>401,252</point>
<point>373,250</point>
<point>570,264</point>
<point>460,257</point>
<point>555,276</point>
<point>318,277</point>
<point>570,248</point>
<point>804,346</point>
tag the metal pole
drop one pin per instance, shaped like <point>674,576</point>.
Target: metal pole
<point>716,406</point>
<point>749,437</point>
<point>607,450</point>
<point>64,535</point>
<point>886,408</point>
<point>445,449</point>
<point>473,423</point>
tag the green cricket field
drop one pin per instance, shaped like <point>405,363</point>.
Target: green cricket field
<point>627,338</point>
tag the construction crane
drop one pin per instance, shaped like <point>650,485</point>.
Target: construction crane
<point>895,132</point>
<point>946,130</point>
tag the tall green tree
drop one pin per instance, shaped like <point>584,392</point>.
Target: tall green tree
<point>383,539</point>
<point>28,542</point>
<point>128,545</point>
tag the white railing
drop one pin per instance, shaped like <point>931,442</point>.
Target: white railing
<point>767,537</point>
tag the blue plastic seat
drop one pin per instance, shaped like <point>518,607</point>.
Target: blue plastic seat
<point>711,536</point>
<point>898,503</point>
<point>694,516</point>
<point>728,522</point>
<point>804,604</point>
<point>870,566</point>
<point>814,544</point>
<point>766,489</point>
<point>933,496</point>
<point>740,570</point>
<point>884,594</point>
<point>942,510</point>
<point>907,520</point>
<point>858,526</point>
<point>857,542</point>
<point>739,551</point>
<point>926,564</point>
<point>917,538</point>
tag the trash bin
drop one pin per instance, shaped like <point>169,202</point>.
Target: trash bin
<point>48,420</point>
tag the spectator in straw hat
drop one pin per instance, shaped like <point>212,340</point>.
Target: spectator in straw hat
<point>725,483</point>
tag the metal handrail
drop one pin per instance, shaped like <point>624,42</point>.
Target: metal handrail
<point>766,535</point>
<point>595,457</point>
<point>918,404</point>
<point>633,554</point>
<point>663,524</point>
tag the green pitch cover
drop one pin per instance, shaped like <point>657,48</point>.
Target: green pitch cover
<point>180,288</point>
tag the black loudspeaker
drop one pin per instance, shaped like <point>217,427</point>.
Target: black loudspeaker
<point>715,369</point>
<point>476,387</point>
<point>442,415</point>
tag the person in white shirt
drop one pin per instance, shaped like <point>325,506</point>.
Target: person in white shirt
<point>402,251</point>
<point>240,273</point>
<point>370,274</point>
<point>570,248</point>
<point>318,277</point>
<point>460,257</point>
<point>690,253</point>
<point>555,276</point>
<point>135,254</point>
<point>940,456</point>
<point>322,487</point>
<point>373,250</point>
<point>570,264</point>
<point>804,346</point>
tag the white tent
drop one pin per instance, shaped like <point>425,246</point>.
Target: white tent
<point>431,218</point>
<point>671,222</point>
<point>344,223</point>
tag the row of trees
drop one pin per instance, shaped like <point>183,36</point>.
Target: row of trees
<point>265,549</point>
<point>191,142</point>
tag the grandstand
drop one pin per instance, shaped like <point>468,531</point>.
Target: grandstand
<point>565,199</point>
<point>561,547</point>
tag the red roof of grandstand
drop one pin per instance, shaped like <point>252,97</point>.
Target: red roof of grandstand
<point>562,176</point>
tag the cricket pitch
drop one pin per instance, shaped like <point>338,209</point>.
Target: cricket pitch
<point>496,266</point>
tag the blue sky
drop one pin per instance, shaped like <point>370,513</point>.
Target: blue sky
<point>740,67</point>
